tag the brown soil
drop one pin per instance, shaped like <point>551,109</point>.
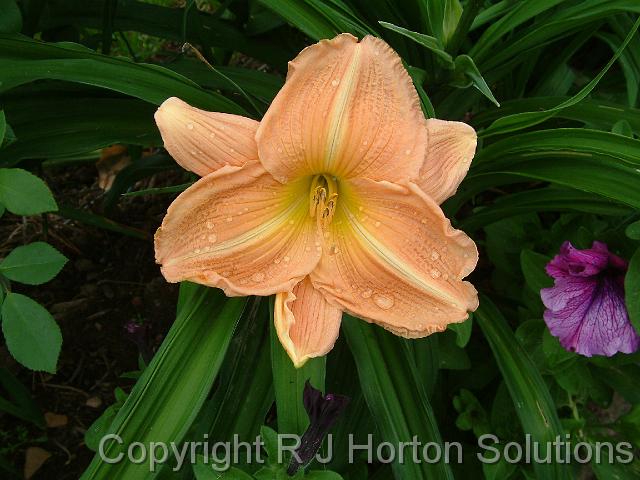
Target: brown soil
<point>110,280</point>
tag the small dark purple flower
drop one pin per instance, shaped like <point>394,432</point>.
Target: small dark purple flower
<point>323,411</point>
<point>585,307</point>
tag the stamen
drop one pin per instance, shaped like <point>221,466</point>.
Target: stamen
<point>323,197</point>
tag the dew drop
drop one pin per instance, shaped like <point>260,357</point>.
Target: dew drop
<point>364,142</point>
<point>226,273</point>
<point>435,255</point>
<point>360,208</point>
<point>212,135</point>
<point>190,126</point>
<point>286,259</point>
<point>209,225</point>
<point>318,248</point>
<point>377,224</point>
<point>423,221</point>
<point>207,248</point>
<point>197,250</point>
<point>435,273</point>
<point>291,222</point>
<point>407,152</point>
<point>212,238</point>
<point>334,250</point>
<point>335,82</point>
<point>307,248</point>
<point>367,293</point>
<point>229,219</point>
<point>279,149</point>
<point>257,277</point>
<point>383,301</point>
<point>276,261</point>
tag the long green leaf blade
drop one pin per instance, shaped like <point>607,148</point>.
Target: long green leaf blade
<point>167,397</point>
<point>529,393</point>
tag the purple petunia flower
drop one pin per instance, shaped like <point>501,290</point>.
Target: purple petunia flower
<point>585,307</point>
<point>323,411</point>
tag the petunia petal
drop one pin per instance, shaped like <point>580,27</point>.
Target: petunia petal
<point>588,315</point>
<point>391,257</point>
<point>306,323</point>
<point>202,142</point>
<point>348,109</point>
<point>450,149</point>
<point>240,230</point>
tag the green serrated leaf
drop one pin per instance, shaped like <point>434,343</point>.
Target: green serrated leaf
<point>33,264</point>
<point>32,335</point>
<point>23,193</point>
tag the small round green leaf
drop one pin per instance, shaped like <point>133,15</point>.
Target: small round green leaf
<point>32,335</point>
<point>633,230</point>
<point>23,193</point>
<point>33,264</point>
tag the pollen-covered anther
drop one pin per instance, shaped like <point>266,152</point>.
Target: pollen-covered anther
<point>323,198</point>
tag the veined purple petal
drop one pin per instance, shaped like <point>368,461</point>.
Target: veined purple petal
<point>585,307</point>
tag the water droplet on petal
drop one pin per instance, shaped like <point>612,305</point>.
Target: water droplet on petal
<point>190,126</point>
<point>276,261</point>
<point>377,224</point>
<point>291,222</point>
<point>212,135</point>
<point>383,301</point>
<point>367,293</point>
<point>229,219</point>
<point>407,152</point>
<point>307,248</point>
<point>435,273</point>
<point>423,221</point>
<point>335,82</point>
<point>212,238</point>
<point>197,250</point>
<point>226,273</point>
<point>286,259</point>
<point>435,255</point>
<point>257,277</point>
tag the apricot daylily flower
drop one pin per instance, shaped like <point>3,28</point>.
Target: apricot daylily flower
<point>330,202</point>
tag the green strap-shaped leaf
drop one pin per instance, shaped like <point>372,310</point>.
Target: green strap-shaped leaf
<point>427,41</point>
<point>288,383</point>
<point>632,290</point>
<point>531,398</point>
<point>527,119</point>
<point>542,200</point>
<point>600,162</point>
<point>395,394</point>
<point>167,397</point>
<point>75,63</point>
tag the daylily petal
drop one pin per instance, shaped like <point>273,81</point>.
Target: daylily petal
<point>450,149</point>
<point>306,323</point>
<point>239,230</point>
<point>202,142</point>
<point>391,257</point>
<point>347,109</point>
